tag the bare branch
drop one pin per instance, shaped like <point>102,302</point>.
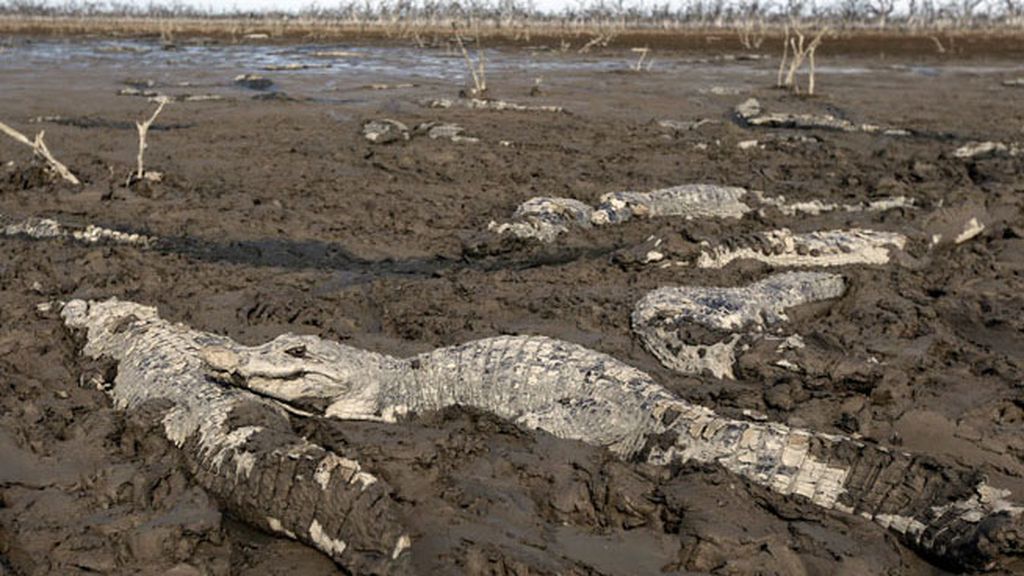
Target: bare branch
<point>143,128</point>
<point>39,147</point>
<point>802,50</point>
<point>785,54</point>
<point>477,72</point>
<point>639,66</point>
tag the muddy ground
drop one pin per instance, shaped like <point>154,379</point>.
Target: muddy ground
<point>282,217</point>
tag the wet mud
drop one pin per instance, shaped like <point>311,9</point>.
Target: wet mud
<point>279,216</point>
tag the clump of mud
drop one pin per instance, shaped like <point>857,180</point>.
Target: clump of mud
<point>485,497</point>
<point>26,177</point>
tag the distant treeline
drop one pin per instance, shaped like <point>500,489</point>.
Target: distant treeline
<point>908,14</point>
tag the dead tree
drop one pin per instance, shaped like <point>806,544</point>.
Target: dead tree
<point>751,33</point>
<point>779,81</point>
<point>882,9</point>
<point>478,72</point>
<point>1013,12</point>
<point>143,129</point>
<point>802,50</point>
<point>965,12</point>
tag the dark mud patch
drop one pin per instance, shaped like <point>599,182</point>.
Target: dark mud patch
<point>27,177</point>
<point>93,122</point>
<point>483,496</point>
<point>274,96</point>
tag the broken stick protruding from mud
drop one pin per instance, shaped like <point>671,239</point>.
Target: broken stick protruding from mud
<point>38,146</point>
<point>239,445</point>
<point>143,130</point>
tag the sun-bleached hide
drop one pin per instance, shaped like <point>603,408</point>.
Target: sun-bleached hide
<point>237,444</point>
<point>215,415</point>
<point>544,218</point>
<point>783,248</point>
<point>667,319</point>
<point>48,228</point>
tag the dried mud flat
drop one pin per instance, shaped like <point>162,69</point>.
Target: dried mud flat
<point>278,215</point>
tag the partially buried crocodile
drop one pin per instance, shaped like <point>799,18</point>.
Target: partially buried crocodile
<point>227,407</point>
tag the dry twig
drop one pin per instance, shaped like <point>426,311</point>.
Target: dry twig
<point>143,128</point>
<point>639,66</point>
<point>601,40</point>
<point>785,54</point>
<point>40,149</point>
<point>751,33</point>
<point>477,72</point>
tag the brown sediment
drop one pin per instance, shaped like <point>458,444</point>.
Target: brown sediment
<point>278,207</point>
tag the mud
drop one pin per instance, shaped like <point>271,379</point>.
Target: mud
<point>279,216</point>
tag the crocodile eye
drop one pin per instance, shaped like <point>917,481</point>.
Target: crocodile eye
<point>124,323</point>
<point>296,351</point>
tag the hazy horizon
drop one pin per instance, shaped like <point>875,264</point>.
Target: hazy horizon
<point>295,6</point>
<point>298,5</point>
